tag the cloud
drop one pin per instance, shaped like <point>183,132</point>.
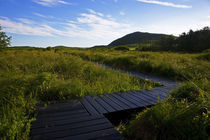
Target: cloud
<point>94,12</point>
<point>26,21</point>
<point>42,16</point>
<point>51,2</point>
<point>22,26</point>
<point>122,13</point>
<point>208,17</point>
<point>115,0</point>
<point>90,25</point>
<point>169,4</point>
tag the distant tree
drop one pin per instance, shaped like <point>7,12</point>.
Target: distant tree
<point>4,39</point>
<point>122,48</point>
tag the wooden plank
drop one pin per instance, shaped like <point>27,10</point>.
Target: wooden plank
<point>158,93</point>
<point>104,104</point>
<point>89,107</point>
<point>141,99</point>
<point>120,103</point>
<point>112,104</point>
<point>97,106</point>
<point>94,135</point>
<point>147,98</point>
<point>150,93</point>
<point>127,97</point>
<point>139,95</point>
<point>133,99</point>
<point>164,90</point>
<point>130,104</point>
<point>68,126</point>
<point>60,114</point>
<point>72,112</point>
<point>59,118</point>
<point>73,132</point>
<point>36,125</point>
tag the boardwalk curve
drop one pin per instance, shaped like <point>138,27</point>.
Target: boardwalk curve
<point>84,118</point>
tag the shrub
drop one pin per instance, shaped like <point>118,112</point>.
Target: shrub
<point>188,91</point>
<point>171,119</point>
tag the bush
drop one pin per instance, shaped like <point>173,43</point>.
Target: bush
<point>188,91</point>
<point>171,119</point>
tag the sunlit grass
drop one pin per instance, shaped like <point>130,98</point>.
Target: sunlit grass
<point>28,77</point>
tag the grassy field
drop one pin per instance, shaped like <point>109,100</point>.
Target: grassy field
<point>185,115</point>
<point>33,76</point>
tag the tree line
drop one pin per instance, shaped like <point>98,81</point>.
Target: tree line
<point>192,41</point>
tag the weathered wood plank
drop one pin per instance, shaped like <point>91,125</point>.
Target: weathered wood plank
<point>59,118</point>
<point>130,104</point>
<point>104,104</point>
<point>119,102</point>
<point>73,132</point>
<point>69,126</point>
<point>112,104</point>
<point>97,106</point>
<point>150,95</point>
<point>132,99</point>
<point>89,107</point>
<point>95,135</point>
<point>148,98</point>
<point>36,125</point>
<point>60,114</point>
<point>142,100</point>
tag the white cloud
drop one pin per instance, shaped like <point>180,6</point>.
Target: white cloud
<point>22,26</point>
<point>208,17</point>
<point>169,4</point>
<point>89,25</point>
<point>94,12</point>
<point>26,21</point>
<point>122,13</point>
<point>51,2</point>
<point>43,16</point>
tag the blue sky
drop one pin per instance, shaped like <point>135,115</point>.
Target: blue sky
<point>85,23</point>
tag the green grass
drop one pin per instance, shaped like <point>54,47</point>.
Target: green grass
<point>34,76</point>
<point>185,115</point>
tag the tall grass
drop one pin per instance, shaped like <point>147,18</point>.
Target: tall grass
<point>32,76</point>
<point>185,115</point>
<point>171,65</point>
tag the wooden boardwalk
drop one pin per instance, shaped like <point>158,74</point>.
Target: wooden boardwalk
<point>84,118</point>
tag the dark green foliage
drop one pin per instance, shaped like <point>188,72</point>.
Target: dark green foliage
<point>136,37</point>
<point>193,42</point>
<point>171,119</point>
<point>188,91</point>
<point>122,48</point>
<point>4,39</point>
<point>204,56</point>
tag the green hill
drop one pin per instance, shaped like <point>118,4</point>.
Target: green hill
<point>136,37</point>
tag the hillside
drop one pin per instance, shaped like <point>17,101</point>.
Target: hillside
<point>136,37</point>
